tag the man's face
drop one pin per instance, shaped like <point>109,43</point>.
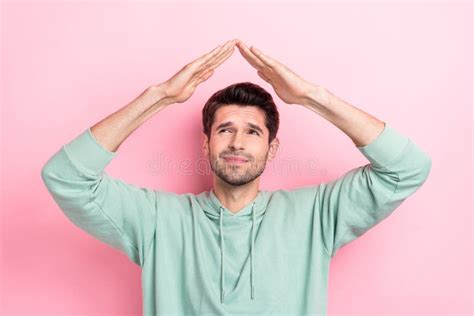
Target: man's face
<point>240,132</point>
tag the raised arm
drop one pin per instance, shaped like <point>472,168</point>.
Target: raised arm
<point>115,212</point>
<point>349,206</point>
<point>364,196</point>
<point>114,129</point>
<point>361,127</point>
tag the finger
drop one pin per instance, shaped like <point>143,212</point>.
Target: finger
<point>198,61</point>
<point>204,77</point>
<point>249,56</point>
<point>215,61</point>
<point>267,60</point>
<point>228,48</point>
<point>218,62</point>
<point>205,58</point>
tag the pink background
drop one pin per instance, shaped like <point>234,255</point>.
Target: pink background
<point>66,65</point>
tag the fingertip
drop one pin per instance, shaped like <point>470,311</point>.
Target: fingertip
<point>255,50</point>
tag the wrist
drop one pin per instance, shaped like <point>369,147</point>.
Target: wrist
<point>317,97</point>
<point>156,95</point>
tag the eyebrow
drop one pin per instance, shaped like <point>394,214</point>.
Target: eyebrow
<point>229,123</point>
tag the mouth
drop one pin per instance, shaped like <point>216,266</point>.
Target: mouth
<point>235,159</point>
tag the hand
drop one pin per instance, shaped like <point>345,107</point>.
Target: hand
<point>181,86</point>
<point>290,87</point>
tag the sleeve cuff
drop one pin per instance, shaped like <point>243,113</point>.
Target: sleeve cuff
<point>86,152</point>
<point>387,147</point>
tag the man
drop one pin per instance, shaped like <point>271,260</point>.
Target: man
<point>235,249</point>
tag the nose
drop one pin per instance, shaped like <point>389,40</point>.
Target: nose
<point>236,142</point>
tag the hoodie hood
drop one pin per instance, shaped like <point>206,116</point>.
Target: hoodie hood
<point>225,219</point>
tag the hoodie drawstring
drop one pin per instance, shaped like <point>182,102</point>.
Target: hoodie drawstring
<point>252,242</point>
<point>251,253</point>
<point>222,255</point>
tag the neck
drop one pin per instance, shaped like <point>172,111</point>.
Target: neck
<point>234,198</point>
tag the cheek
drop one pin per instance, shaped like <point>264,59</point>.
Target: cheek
<point>215,147</point>
<point>213,152</point>
<point>258,153</point>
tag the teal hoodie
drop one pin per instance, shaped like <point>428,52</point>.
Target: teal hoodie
<point>198,258</point>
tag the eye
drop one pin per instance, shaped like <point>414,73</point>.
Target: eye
<point>226,129</point>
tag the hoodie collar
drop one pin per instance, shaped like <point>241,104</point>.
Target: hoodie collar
<point>245,211</point>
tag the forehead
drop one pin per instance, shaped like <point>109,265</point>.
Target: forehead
<point>240,114</point>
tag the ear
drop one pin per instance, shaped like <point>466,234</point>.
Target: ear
<point>205,145</point>
<point>274,146</point>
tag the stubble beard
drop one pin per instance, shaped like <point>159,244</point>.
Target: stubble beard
<point>238,174</point>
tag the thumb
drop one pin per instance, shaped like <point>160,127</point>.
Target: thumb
<point>263,76</point>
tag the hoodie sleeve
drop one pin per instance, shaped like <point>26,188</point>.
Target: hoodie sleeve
<point>364,196</point>
<point>113,211</point>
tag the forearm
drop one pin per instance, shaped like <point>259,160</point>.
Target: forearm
<point>115,128</point>
<point>362,128</point>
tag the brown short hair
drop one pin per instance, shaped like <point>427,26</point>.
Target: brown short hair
<point>242,94</point>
